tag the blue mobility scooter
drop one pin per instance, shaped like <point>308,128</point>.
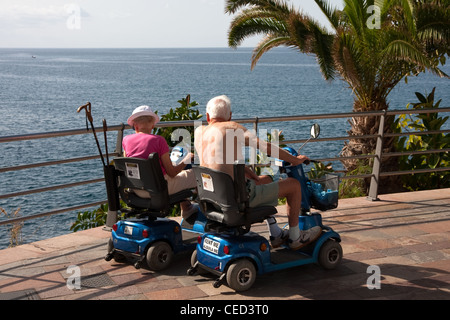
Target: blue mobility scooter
<point>146,235</point>
<point>234,253</point>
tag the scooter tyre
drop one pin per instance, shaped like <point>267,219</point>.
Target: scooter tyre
<point>198,270</point>
<point>241,275</point>
<point>330,254</point>
<point>159,256</point>
<point>116,256</point>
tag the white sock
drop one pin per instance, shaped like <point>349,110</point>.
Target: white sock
<point>294,233</point>
<point>274,228</point>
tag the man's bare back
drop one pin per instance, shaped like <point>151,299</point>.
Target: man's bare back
<point>220,144</point>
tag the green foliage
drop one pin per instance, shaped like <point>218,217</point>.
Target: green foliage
<point>371,51</point>
<point>14,229</point>
<point>184,112</point>
<point>90,219</point>
<point>351,188</point>
<point>262,158</point>
<point>422,123</point>
<point>319,170</point>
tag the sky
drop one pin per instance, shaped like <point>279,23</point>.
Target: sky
<point>121,23</point>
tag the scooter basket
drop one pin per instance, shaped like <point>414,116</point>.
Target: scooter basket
<point>324,192</point>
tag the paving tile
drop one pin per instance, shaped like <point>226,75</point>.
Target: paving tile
<point>407,235</point>
<point>155,285</point>
<point>182,293</point>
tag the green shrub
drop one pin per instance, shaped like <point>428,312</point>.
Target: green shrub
<point>185,111</point>
<point>423,122</point>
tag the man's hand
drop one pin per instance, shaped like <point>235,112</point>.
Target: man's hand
<point>299,160</point>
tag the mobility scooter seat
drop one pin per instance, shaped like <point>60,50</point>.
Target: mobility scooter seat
<point>142,186</point>
<point>225,200</point>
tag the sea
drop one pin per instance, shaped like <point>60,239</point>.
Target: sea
<point>41,89</point>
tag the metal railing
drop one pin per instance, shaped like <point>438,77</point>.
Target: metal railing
<point>374,176</point>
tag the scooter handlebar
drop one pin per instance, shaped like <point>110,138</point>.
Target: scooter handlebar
<point>307,162</point>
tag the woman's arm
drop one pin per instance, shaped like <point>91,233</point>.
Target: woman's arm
<point>172,170</point>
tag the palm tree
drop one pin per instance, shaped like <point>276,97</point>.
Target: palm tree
<point>372,46</point>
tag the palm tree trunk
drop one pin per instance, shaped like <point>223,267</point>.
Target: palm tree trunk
<point>366,126</point>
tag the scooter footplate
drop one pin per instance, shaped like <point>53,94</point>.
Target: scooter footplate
<point>189,237</point>
<point>284,255</point>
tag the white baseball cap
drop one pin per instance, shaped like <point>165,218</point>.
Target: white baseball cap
<point>142,111</point>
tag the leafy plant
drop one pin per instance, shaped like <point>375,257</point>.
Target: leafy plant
<point>319,170</point>
<point>351,188</point>
<point>263,158</point>
<point>90,219</point>
<point>15,230</point>
<point>422,123</point>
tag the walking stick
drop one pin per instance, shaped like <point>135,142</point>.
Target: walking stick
<point>87,107</point>
<point>108,170</point>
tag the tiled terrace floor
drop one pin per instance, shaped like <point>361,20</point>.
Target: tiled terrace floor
<point>407,235</point>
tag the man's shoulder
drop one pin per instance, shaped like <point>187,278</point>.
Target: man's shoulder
<point>230,125</point>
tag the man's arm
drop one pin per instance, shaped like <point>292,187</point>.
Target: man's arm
<point>272,150</point>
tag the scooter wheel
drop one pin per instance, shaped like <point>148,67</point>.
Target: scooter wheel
<point>241,275</point>
<point>194,258</point>
<point>114,255</point>
<point>198,270</point>
<point>330,254</point>
<point>159,256</point>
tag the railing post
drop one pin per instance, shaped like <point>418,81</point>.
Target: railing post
<point>374,181</point>
<point>111,185</point>
<point>255,127</point>
<point>119,139</point>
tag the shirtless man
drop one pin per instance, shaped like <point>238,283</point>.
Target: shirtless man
<point>220,143</point>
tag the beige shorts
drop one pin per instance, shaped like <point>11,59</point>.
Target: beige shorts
<point>263,194</point>
<point>182,181</point>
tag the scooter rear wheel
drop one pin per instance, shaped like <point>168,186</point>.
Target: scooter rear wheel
<point>159,256</point>
<point>241,275</point>
<point>114,255</point>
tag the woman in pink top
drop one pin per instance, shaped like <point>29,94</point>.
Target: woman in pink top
<point>142,143</point>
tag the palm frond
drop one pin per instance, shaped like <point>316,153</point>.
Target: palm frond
<point>268,42</point>
<point>404,51</point>
<point>321,46</point>
<point>330,12</point>
<point>253,22</point>
<point>232,6</point>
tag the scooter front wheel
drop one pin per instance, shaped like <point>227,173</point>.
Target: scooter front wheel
<point>159,256</point>
<point>241,275</point>
<point>330,254</point>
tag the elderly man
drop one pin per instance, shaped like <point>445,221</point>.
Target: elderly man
<point>220,143</point>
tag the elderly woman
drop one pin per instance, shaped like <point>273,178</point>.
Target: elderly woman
<point>142,143</point>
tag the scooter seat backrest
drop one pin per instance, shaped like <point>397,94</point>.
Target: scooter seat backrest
<point>141,183</point>
<point>225,200</point>
<point>216,188</point>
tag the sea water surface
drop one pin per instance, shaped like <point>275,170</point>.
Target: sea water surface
<point>41,89</point>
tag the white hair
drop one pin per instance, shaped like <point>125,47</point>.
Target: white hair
<point>219,107</point>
